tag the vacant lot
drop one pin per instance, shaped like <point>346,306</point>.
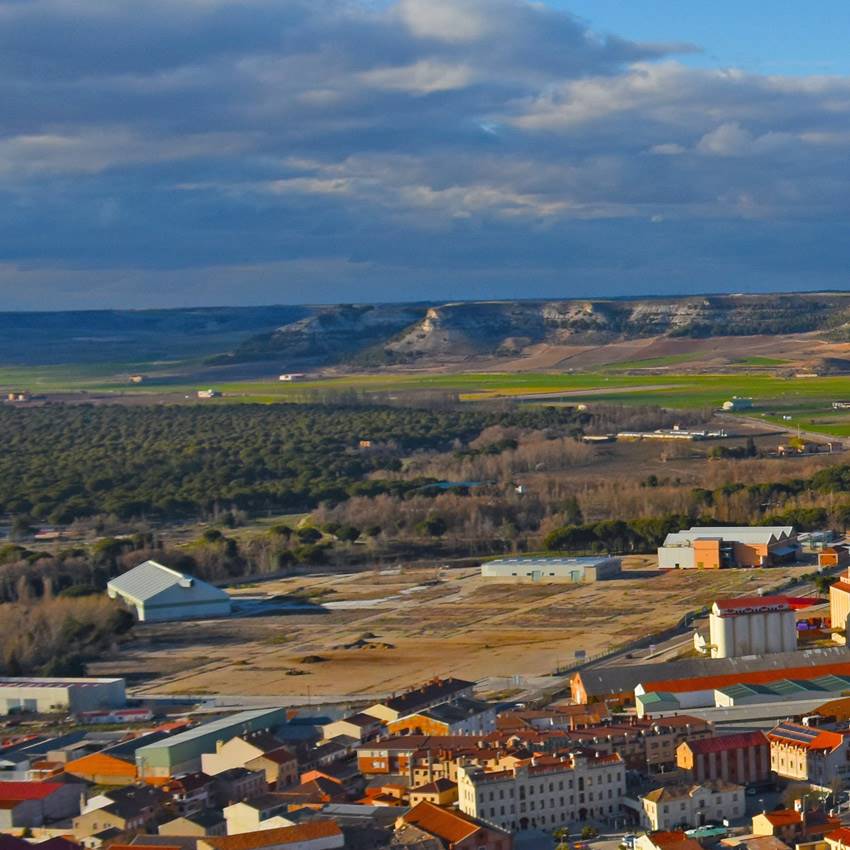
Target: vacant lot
<point>380,632</point>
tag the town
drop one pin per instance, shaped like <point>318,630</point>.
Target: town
<point>743,742</point>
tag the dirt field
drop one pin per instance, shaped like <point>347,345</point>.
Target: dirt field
<point>380,632</point>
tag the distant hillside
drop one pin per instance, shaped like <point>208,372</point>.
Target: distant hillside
<point>386,334</point>
<point>132,336</point>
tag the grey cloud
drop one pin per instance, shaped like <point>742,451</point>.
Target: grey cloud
<point>401,149</point>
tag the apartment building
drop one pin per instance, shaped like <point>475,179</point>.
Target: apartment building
<point>809,754</point>
<point>676,806</point>
<point>544,792</point>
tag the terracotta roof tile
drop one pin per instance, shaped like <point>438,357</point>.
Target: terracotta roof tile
<point>266,837</point>
<point>450,826</point>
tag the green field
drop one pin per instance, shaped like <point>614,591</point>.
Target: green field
<point>805,399</point>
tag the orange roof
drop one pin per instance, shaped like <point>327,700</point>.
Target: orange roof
<point>840,585</point>
<point>806,737</point>
<point>267,837</point>
<point>99,764</point>
<point>783,817</point>
<point>756,677</point>
<point>450,826</point>
<point>842,836</point>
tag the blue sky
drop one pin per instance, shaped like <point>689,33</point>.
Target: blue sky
<point>188,152</point>
<point>762,36</point>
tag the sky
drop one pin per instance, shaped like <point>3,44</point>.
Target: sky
<point>204,152</point>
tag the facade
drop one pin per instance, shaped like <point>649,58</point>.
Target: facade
<point>47,695</point>
<point>809,754</point>
<point>795,826</point>
<point>360,726</point>
<point>716,547</point>
<point>35,804</point>
<point>157,593</point>
<point>741,758</point>
<point>545,792</point>
<point>463,716</point>
<point>554,570</point>
<point>257,751</point>
<point>752,626</point>
<point>265,812</point>
<point>839,607</point>
<point>453,830</point>
<point>441,792</point>
<point>182,753</point>
<point>676,806</point>
<point>210,822</point>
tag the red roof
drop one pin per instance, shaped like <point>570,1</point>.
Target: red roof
<point>754,677</point>
<point>19,791</point>
<point>842,836</point>
<point>721,743</point>
<point>795,603</point>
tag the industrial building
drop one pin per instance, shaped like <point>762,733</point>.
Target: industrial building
<point>752,625</point>
<point>158,593</point>
<point>46,695</point>
<point>182,753</point>
<point>552,570</point>
<point>606,683</point>
<point>716,547</point>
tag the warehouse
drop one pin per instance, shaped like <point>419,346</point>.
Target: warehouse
<point>46,695</point>
<point>158,593</point>
<point>182,753</point>
<point>552,570</point>
<point>716,547</point>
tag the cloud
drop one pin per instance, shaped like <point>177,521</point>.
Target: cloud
<point>402,149</point>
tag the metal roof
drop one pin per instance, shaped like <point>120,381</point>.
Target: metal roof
<point>151,579</point>
<point>743,533</point>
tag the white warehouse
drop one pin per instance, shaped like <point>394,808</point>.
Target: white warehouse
<point>158,594</point>
<point>552,570</point>
<point>47,695</point>
<point>752,626</point>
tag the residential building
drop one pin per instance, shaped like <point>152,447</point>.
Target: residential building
<point>129,809</point>
<point>360,726</point>
<point>157,593</point>
<point>208,822</point>
<point>34,804</point>
<point>237,784</point>
<point>752,625</point>
<point>544,792</point>
<point>809,754</point>
<point>715,547</point>
<point>675,806</point>
<point>255,751</point>
<point>316,834</point>
<point>454,830</point>
<point>552,570</point>
<point>264,812</point>
<point>742,758</point>
<point>440,792</point>
<point>183,752</point>
<point>190,793</point>
<point>418,699</point>
<point>462,716</point>
<point>795,826</point>
<point>47,695</point>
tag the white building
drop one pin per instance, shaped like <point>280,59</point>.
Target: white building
<point>292,376</point>
<point>46,695</point>
<point>716,547</point>
<point>158,593</point>
<point>552,570</point>
<point>678,806</point>
<point>751,626</point>
<point>544,793</point>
